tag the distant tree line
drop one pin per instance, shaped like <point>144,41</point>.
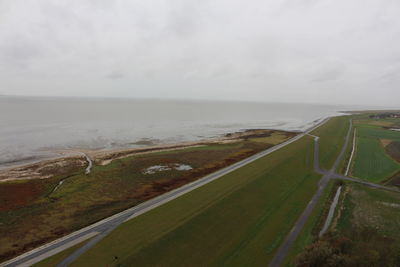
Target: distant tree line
<point>384,115</point>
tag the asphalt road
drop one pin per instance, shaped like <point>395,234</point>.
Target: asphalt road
<point>292,236</point>
<point>378,186</point>
<point>100,229</point>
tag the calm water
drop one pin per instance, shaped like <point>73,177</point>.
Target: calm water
<point>32,128</point>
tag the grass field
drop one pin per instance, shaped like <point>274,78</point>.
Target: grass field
<point>372,208</point>
<point>275,138</point>
<point>368,131</point>
<point>245,209</point>
<point>371,162</point>
<point>31,214</point>
<point>366,231</point>
<point>332,136</point>
<point>388,122</point>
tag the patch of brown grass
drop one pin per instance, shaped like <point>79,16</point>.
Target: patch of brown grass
<point>393,149</point>
<point>14,195</point>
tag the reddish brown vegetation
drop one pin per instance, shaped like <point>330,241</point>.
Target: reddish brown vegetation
<point>393,149</point>
<point>14,195</point>
<point>161,186</point>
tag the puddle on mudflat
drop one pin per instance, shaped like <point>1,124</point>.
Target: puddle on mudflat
<point>169,167</point>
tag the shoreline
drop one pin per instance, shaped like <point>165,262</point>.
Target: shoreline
<point>79,158</point>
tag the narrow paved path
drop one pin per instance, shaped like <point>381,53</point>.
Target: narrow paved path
<point>378,186</point>
<point>298,226</point>
<point>316,155</point>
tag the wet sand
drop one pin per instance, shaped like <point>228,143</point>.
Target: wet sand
<point>72,159</point>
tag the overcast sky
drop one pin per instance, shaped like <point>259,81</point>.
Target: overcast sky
<point>329,51</point>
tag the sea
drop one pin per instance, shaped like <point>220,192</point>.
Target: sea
<point>36,128</point>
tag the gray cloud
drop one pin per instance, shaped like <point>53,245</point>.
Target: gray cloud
<point>278,50</point>
<point>115,75</point>
<point>328,74</point>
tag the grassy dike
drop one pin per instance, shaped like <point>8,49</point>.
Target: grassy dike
<point>332,135</point>
<point>239,219</point>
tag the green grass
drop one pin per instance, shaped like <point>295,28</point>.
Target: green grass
<point>313,225</point>
<point>332,136</point>
<point>389,122</point>
<point>377,132</point>
<point>237,220</point>
<point>371,162</point>
<point>371,208</point>
<point>273,139</point>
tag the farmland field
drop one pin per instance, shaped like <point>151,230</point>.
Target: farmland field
<point>245,208</point>
<point>332,135</point>
<point>377,132</point>
<point>371,161</point>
